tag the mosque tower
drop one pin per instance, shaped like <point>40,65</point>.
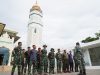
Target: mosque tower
<point>35,26</point>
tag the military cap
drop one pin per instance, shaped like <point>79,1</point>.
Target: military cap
<point>44,45</point>
<point>77,43</point>
<point>52,49</point>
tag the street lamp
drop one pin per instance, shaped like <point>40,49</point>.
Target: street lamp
<point>2,26</point>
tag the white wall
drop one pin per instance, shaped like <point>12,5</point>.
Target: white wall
<point>87,57</point>
<point>8,43</point>
<point>35,22</point>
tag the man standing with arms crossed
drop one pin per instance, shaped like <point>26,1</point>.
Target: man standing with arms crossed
<point>80,58</point>
<point>51,57</point>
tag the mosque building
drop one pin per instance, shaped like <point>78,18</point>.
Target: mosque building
<point>91,53</point>
<point>8,38</point>
<point>35,26</point>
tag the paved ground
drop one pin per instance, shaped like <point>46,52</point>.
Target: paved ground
<point>89,72</point>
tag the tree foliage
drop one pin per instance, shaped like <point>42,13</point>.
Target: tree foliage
<point>97,34</point>
<point>90,39</point>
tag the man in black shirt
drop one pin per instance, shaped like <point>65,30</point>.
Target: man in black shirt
<point>27,59</point>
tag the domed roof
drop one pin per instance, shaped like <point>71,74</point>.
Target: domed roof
<point>36,7</point>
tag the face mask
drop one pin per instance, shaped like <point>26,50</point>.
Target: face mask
<point>78,47</point>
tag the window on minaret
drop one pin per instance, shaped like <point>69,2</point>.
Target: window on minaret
<point>35,30</point>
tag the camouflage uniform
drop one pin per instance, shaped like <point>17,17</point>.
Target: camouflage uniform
<point>44,60</point>
<point>79,57</point>
<point>76,64</point>
<point>22,60</point>
<point>16,62</point>
<point>59,61</point>
<point>39,62</point>
<point>51,57</point>
<point>65,62</point>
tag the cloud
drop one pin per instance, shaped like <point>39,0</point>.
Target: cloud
<point>65,22</point>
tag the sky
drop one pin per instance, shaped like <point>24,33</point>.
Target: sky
<point>65,21</point>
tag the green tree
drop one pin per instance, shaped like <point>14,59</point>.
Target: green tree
<point>97,34</point>
<point>90,39</point>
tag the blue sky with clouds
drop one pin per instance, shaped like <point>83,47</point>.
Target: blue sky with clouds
<point>65,21</point>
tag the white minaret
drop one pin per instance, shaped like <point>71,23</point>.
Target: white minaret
<point>35,26</point>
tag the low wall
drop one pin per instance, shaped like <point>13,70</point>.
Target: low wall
<point>92,67</point>
<point>5,68</point>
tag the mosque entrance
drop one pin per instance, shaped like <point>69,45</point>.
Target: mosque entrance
<point>1,59</point>
<point>4,56</point>
<point>95,56</point>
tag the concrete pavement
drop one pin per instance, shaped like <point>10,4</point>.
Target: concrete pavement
<point>89,72</point>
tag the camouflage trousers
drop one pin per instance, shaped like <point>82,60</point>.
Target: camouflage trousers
<point>45,65</point>
<point>39,68</point>
<point>65,66</point>
<point>14,67</point>
<point>59,64</point>
<point>27,63</point>
<point>33,65</point>
<point>81,64</point>
<point>22,67</point>
<point>51,65</point>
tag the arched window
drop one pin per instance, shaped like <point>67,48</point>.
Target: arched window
<point>35,30</point>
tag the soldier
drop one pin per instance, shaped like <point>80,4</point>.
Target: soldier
<point>16,58</point>
<point>76,63</point>
<point>27,60</point>
<point>59,61</point>
<point>22,60</point>
<point>33,60</point>
<point>79,56</point>
<point>44,59</point>
<point>39,61</point>
<point>65,62</point>
<point>51,57</point>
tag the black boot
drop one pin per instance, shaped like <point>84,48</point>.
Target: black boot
<point>80,72</point>
<point>53,72</point>
<point>19,73</point>
<point>84,72</point>
<point>12,73</point>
